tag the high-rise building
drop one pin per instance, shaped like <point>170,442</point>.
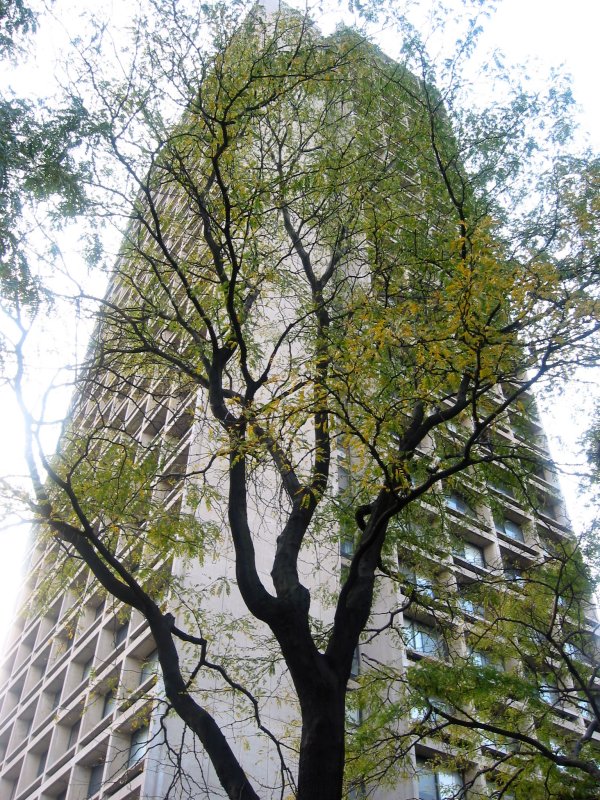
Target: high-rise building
<point>79,715</point>
<point>83,714</point>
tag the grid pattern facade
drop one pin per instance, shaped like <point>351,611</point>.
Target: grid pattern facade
<point>79,717</point>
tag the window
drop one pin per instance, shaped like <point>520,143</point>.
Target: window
<point>343,478</point>
<point>121,634</point>
<point>479,658</point>
<point>431,710</point>
<point>495,743</point>
<point>513,573</point>
<point>456,502</point>
<point>471,553</point>
<point>548,509</point>
<point>510,528</point>
<point>149,667</point>
<point>98,610</point>
<point>575,652</point>
<point>357,792</point>
<point>419,582</point>
<point>108,703</point>
<point>424,639</point>
<point>586,709</point>
<point>503,488</point>
<point>439,784</point>
<point>43,757</point>
<point>74,733</point>
<point>56,697</point>
<point>549,691</point>
<point>86,669</point>
<point>353,716</point>
<point>138,746</point>
<point>559,750</point>
<point>95,781</point>
<point>539,470</point>
<point>347,546</point>
<point>355,668</point>
<point>469,605</point>
<point>423,586</point>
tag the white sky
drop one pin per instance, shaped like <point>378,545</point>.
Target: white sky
<point>555,33</point>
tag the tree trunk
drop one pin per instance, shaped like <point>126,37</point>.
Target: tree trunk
<point>322,747</point>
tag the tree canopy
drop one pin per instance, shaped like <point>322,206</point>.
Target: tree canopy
<point>41,178</point>
<point>336,292</point>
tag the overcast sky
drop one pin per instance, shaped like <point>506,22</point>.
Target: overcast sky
<point>553,32</point>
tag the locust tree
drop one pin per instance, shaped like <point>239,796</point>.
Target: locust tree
<point>336,290</point>
<point>41,179</point>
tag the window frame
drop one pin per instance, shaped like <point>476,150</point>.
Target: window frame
<point>96,779</point>
<point>433,645</point>
<point>426,769</point>
<point>139,743</point>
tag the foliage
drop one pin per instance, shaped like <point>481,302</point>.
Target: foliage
<point>330,306</point>
<point>40,176</point>
<point>507,702</point>
<point>16,18</point>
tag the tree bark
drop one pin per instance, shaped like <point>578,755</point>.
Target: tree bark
<point>322,745</point>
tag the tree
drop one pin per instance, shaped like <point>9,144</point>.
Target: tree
<point>41,180</point>
<point>508,700</point>
<point>331,299</point>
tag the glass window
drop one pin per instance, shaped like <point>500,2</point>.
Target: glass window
<point>575,652</point>
<point>478,658</point>
<point>427,786</point>
<point>357,792</point>
<point>549,692</point>
<point>74,733</point>
<point>95,781</point>
<point>343,478</point>
<point>513,573</point>
<point>149,667</point>
<point>514,530</point>
<point>43,757</point>
<point>355,668</point>
<point>438,784</point>
<point>450,784</point>
<point>108,703</point>
<point>470,606</point>
<point>86,669</point>
<point>138,746</point>
<point>424,639</point>
<point>56,697</point>
<point>503,488</point>
<point>471,553</point>
<point>422,584</point>
<point>430,710</point>
<point>353,716</point>
<point>510,528</point>
<point>121,634</point>
<point>347,546</point>
<point>457,502</point>
<point>548,509</point>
